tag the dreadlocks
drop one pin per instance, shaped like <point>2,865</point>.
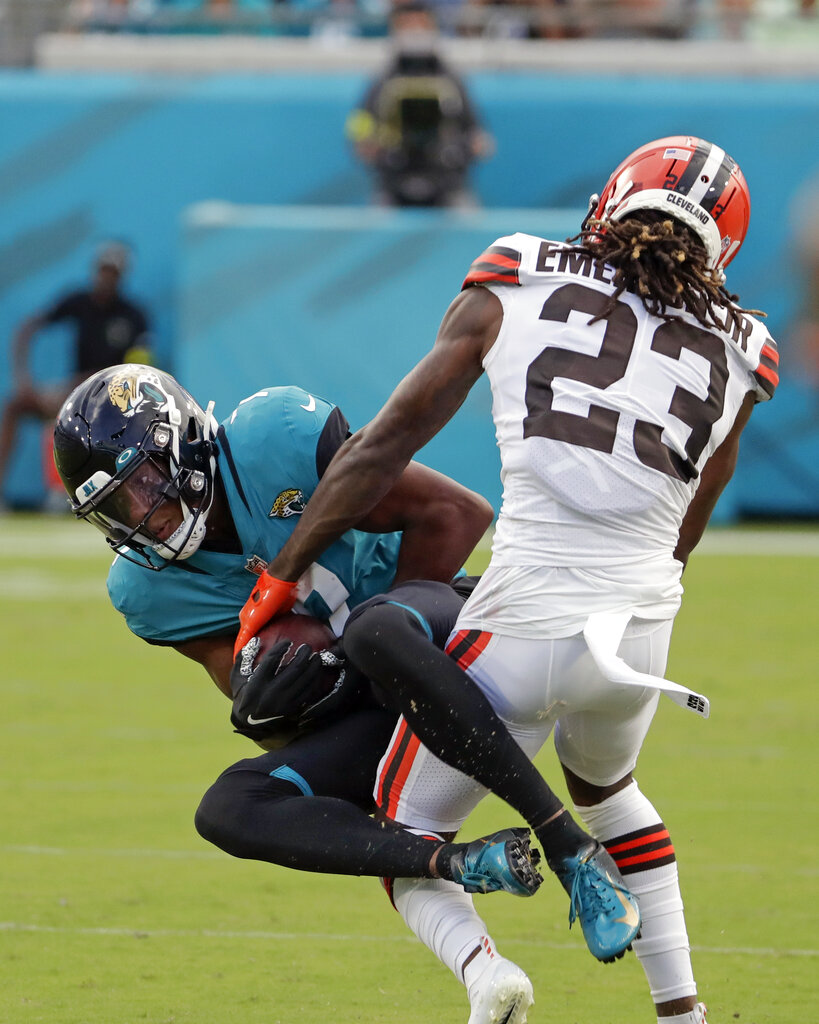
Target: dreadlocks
<point>662,262</point>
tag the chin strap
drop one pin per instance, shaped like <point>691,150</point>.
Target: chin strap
<point>594,199</point>
<point>191,532</point>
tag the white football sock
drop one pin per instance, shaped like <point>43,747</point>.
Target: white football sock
<point>478,964</point>
<point>443,917</point>
<point>629,824</point>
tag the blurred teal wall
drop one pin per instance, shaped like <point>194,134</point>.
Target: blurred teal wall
<point>341,300</point>
<point>83,157</point>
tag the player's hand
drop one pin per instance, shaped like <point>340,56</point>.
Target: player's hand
<point>270,597</point>
<point>267,693</point>
<point>347,692</point>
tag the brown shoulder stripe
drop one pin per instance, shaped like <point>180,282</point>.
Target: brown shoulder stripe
<point>766,373</point>
<point>497,263</point>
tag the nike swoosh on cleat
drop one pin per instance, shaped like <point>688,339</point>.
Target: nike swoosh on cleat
<point>631,917</point>
<point>261,721</point>
<point>310,406</point>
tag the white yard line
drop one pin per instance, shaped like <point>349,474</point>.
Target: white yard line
<point>214,933</point>
<point>729,541</point>
<point>37,583</point>
<point>759,542</point>
<point>47,538</point>
<point>55,851</point>
<point>44,539</point>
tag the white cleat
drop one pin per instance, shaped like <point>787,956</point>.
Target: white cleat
<point>500,995</point>
<point>695,1016</point>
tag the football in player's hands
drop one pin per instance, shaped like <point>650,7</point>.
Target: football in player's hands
<point>297,630</point>
<point>287,675</point>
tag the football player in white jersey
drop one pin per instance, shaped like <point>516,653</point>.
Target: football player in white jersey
<point>623,373</point>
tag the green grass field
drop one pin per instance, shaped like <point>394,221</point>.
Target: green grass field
<point>114,911</point>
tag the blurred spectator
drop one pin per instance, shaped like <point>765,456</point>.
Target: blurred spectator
<point>763,20</point>
<point>524,19</point>
<point>416,127</point>
<point>109,329</point>
<point>109,14</point>
<point>168,15</point>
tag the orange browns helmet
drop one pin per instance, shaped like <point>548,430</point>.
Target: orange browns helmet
<point>687,178</point>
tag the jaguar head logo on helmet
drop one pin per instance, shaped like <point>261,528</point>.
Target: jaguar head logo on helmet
<point>135,387</point>
<point>690,179</point>
<point>136,455</point>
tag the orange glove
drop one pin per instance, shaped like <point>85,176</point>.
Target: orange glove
<point>270,597</point>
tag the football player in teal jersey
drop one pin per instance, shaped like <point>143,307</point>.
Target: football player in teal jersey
<point>194,510</point>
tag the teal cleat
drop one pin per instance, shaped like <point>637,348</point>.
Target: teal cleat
<point>501,861</point>
<point>609,915</point>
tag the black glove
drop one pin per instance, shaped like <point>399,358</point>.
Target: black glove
<point>269,697</point>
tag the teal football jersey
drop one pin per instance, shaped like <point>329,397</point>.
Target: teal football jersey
<point>267,462</point>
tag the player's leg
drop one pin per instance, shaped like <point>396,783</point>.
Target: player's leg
<point>308,806</point>
<point>416,787</point>
<point>516,675</point>
<point>598,749</point>
<point>396,641</point>
<point>443,917</point>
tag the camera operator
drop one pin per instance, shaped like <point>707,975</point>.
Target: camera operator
<point>416,127</point>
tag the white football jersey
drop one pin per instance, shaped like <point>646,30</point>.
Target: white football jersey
<point>604,429</point>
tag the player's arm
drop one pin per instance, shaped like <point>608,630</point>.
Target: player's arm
<point>440,522</point>
<point>215,654</point>
<point>369,464</point>
<point>717,472</point>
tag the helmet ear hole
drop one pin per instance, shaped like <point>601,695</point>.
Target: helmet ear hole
<point>162,437</point>
<point>195,484</point>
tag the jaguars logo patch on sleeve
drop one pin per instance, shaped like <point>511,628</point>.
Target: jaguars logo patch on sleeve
<point>288,503</point>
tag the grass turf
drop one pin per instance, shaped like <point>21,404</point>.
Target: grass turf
<point>115,912</point>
